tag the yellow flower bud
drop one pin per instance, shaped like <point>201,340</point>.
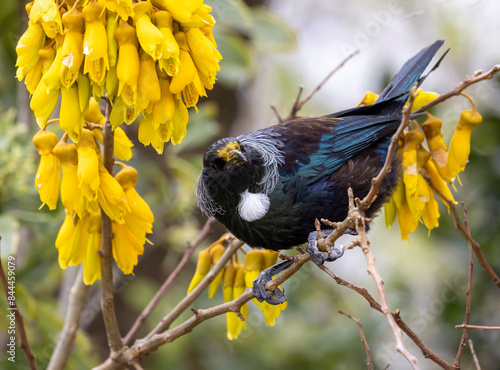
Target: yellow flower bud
<point>92,259</point>
<point>434,136</point>
<point>216,251</point>
<point>148,85</point>
<point>459,151</point>
<point>185,74</point>
<point>369,98</point>
<point>423,98</point>
<point>48,175</point>
<point>111,26</point>
<point>202,268</point>
<point>72,47</point>
<point>149,36</point>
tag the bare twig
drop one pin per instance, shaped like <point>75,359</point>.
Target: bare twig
<point>466,233</point>
<point>76,302</point>
<point>23,338</point>
<point>298,104</point>
<point>468,296</point>
<point>107,303</point>
<point>470,80</point>
<point>369,362</point>
<point>474,357</point>
<point>205,231</point>
<point>477,327</point>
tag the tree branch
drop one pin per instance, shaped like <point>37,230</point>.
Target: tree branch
<point>369,363</point>
<point>205,231</point>
<point>474,357</point>
<point>477,327</point>
<point>76,303</point>
<point>468,296</point>
<point>107,302</point>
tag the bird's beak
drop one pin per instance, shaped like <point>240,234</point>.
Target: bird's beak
<point>237,156</point>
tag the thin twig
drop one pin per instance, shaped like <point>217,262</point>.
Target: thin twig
<point>475,245</point>
<point>205,231</point>
<point>477,327</point>
<point>107,302</point>
<point>369,362</point>
<point>18,317</point>
<point>186,302</point>
<point>474,357</point>
<point>76,303</point>
<point>298,104</point>
<point>468,296</point>
<point>470,80</point>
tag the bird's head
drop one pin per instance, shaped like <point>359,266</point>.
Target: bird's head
<point>228,170</point>
<point>239,173</point>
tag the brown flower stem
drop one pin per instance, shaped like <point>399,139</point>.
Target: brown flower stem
<point>23,338</point>
<point>107,298</point>
<point>76,303</point>
<point>205,231</point>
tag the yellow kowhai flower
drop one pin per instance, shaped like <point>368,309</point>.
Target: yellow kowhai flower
<point>71,240</point>
<point>112,199</point>
<point>437,181</point>
<point>47,13</point>
<point>232,320</point>
<point>254,264</point>
<point>70,116</point>
<point>126,247</point>
<point>163,110</point>
<point>406,221</point>
<point>412,141</point>
<point>439,153</point>
<point>140,218</point>
<point>51,77</point>
<point>92,259</point>
<point>179,122</point>
<point>169,61</point>
<point>72,47</point>
<point>71,194</point>
<point>112,83</point>
<point>202,268</point>
<point>84,92</point>
<point>46,57</point>
<point>430,215</point>
<point>395,203</point>
<point>459,151</point>
<point>27,49</point>
<point>146,129</point>
<point>88,165</point>
<point>148,85</point>
<point>369,98</point>
<point>48,175</point>
<point>422,98</point>
<point>216,253</point>
<point>205,55</point>
<point>123,112</point>
<point>149,36</point>
<point>95,43</point>
<point>186,73</point>
<point>124,8</point>
<point>239,286</point>
<point>185,12</point>
<point>127,68</point>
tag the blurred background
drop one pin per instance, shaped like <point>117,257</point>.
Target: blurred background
<point>270,48</point>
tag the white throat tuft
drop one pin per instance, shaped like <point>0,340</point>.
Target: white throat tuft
<point>253,206</point>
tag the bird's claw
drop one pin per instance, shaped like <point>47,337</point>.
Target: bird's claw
<point>321,257</point>
<point>259,285</point>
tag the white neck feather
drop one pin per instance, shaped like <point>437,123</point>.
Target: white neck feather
<point>253,206</point>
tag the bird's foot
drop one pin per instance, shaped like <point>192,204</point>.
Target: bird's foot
<point>259,284</point>
<point>321,257</point>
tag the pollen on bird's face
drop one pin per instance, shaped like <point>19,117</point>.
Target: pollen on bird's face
<point>227,151</point>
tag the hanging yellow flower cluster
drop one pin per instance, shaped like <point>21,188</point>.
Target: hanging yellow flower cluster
<point>76,172</point>
<point>155,57</point>
<point>235,278</point>
<point>427,169</point>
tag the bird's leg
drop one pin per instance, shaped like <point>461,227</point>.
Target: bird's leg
<point>259,284</point>
<point>316,255</point>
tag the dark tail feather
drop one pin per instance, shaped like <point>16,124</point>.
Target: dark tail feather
<point>410,73</point>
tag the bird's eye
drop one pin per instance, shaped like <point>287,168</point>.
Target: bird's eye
<point>214,167</point>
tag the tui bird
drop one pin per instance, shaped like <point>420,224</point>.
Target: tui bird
<point>269,186</point>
